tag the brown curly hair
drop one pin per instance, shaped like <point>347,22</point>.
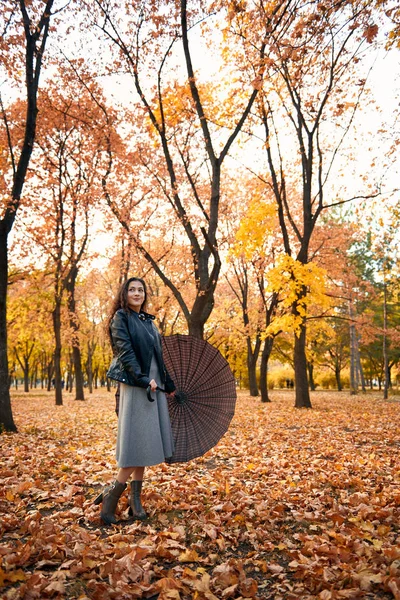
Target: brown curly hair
<point>121,300</point>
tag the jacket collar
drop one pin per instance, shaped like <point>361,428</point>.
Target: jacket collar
<point>143,316</point>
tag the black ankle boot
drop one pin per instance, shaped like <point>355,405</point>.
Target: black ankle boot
<point>109,498</point>
<point>136,509</point>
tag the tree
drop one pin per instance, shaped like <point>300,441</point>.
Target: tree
<point>375,258</point>
<point>328,331</point>
<point>242,290</point>
<point>310,81</point>
<point>32,42</point>
<point>330,347</point>
<point>183,148</point>
<point>67,180</point>
<point>29,323</point>
<point>252,255</point>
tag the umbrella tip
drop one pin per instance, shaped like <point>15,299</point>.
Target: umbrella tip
<point>181,397</point>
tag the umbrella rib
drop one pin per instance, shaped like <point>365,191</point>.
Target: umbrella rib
<point>177,431</point>
<point>202,445</point>
<point>186,426</point>
<point>203,347</point>
<point>166,350</point>
<point>200,387</point>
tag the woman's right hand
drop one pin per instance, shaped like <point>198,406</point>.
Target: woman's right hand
<point>153,385</point>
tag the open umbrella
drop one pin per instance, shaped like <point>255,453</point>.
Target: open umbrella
<point>205,398</point>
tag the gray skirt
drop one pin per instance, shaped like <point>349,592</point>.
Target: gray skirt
<point>144,429</point>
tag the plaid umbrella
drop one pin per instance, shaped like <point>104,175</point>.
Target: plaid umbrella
<point>205,398</point>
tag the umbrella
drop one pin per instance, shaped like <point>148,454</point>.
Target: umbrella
<point>205,398</point>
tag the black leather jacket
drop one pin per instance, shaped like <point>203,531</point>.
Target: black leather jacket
<point>135,339</point>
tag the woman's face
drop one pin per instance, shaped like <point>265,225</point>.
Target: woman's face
<point>136,295</point>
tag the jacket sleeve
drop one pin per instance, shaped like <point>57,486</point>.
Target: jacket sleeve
<point>124,350</point>
<point>169,384</point>
<point>167,381</point>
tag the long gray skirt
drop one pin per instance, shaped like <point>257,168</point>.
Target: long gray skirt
<point>144,429</point>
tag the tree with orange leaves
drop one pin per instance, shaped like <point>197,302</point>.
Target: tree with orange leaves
<point>66,182</point>
<point>187,131</point>
<point>27,25</point>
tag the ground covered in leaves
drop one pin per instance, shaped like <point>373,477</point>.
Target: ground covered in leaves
<point>291,504</point>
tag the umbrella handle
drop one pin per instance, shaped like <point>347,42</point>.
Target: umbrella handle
<point>149,396</point>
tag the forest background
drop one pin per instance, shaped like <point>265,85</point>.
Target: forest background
<point>240,156</point>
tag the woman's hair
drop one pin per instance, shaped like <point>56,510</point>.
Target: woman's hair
<point>121,300</point>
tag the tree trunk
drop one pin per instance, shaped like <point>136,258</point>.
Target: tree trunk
<point>34,380</point>
<point>252,357</point>
<point>360,368</point>
<point>69,374</point>
<point>6,417</point>
<point>50,372</point>
<point>89,367</point>
<point>196,329</point>
<point>96,378</point>
<point>24,361</point>
<point>384,349</point>
<point>74,325</point>
<point>202,306</point>
<point>42,370</point>
<point>353,358</point>
<point>26,375</point>
<point>57,351</point>
<point>77,360</point>
<point>310,368</point>
<point>90,376</point>
<point>70,382</point>
<point>266,353</point>
<point>300,370</point>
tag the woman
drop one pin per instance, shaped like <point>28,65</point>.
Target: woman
<point>144,430</point>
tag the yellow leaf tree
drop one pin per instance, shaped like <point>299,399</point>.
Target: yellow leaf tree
<point>252,254</point>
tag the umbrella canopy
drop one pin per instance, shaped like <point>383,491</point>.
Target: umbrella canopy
<point>205,398</point>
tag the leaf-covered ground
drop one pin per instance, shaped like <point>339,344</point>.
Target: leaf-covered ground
<point>291,504</point>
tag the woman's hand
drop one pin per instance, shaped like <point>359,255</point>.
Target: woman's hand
<point>153,385</point>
